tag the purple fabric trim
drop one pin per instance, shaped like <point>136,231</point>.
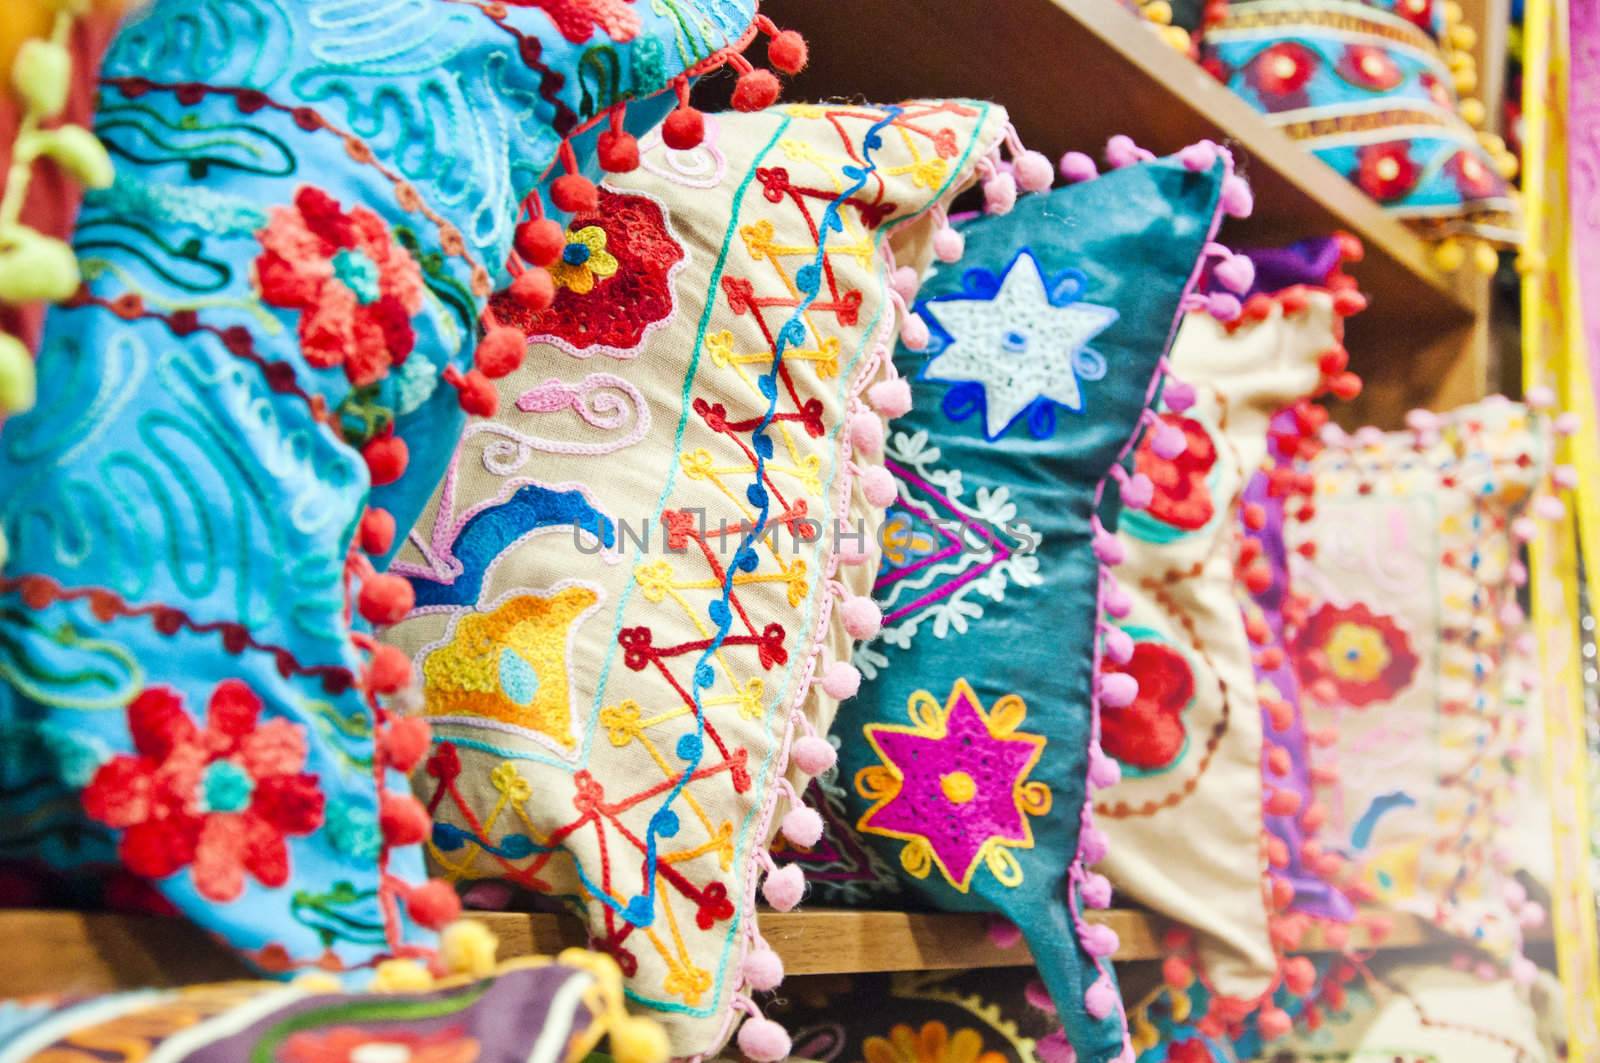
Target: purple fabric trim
<point>1308,261</point>
<point>1313,895</point>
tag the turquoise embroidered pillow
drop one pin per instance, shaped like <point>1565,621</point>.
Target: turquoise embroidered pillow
<point>1370,88</point>
<point>971,749</point>
<point>313,203</point>
<point>638,586</point>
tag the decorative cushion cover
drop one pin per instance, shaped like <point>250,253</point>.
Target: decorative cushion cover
<point>999,1015</point>
<point>625,583</point>
<point>534,1010</point>
<point>1185,821</point>
<point>1414,1012</point>
<point>1401,655</point>
<point>313,201</point>
<point>970,750</point>
<point>1367,89</point>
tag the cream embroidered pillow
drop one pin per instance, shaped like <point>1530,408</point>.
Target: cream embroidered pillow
<point>1185,821</point>
<point>626,585</point>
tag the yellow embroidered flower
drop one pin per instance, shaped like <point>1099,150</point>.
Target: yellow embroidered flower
<point>932,1044</point>
<point>1357,652</point>
<point>584,260</point>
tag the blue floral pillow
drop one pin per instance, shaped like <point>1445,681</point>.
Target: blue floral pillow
<point>1370,88</point>
<point>314,201</point>
<point>970,751</point>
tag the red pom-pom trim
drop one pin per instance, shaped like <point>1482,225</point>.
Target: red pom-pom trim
<point>405,742</point>
<point>534,289</point>
<point>402,818</point>
<point>386,458</point>
<point>385,599</point>
<point>788,52</point>
<point>575,194</point>
<point>617,151</point>
<point>388,671</point>
<point>756,90</point>
<point>684,128</point>
<point>433,905</point>
<point>377,531</point>
<point>500,351</point>
<point>541,241</point>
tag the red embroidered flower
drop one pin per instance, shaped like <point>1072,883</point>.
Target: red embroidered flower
<point>613,308</point>
<point>222,799</point>
<point>1474,177</point>
<point>1353,654</point>
<point>1417,12</point>
<point>1279,74</point>
<point>351,1044</point>
<point>356,289</point>
<point>1436,89</point>
<point>1149,734</point>
<point>1386,171</point>
<point>1181,498</point>
<point>576,19</point>
<point>1369,67</point>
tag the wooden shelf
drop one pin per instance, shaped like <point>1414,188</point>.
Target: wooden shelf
<point>1074,72</point>
<point>51,951</point>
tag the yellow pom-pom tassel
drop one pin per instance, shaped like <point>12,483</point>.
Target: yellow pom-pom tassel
<point>1452,13</point>
<point>401,976</point>
<point>1159,12</point>
<point>1181,1006</point>
<point>1463,36</point>
<point>1485,258</point>
<point>1466,80</point>
<point>317,982</point>
<point>1507,164</point>
<point>1530,262</point>
<point>1177,38</point>
<point>635,1039</point>
<point>469,948</point>
<point>1449,255</point>
<point>1472,111</point>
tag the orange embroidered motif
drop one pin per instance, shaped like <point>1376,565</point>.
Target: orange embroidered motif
<point>510,663</point>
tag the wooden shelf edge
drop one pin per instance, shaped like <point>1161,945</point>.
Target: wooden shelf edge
<point>52,952</point>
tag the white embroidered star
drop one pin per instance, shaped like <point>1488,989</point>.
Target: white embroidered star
<point>1018,345</point>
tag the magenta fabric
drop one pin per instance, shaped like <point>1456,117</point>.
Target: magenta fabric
<point>1583,169</point>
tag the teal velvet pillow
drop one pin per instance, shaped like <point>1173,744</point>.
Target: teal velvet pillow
<point>313,202</point>
<point>969,753</point>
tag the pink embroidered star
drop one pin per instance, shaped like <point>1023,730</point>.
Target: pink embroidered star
<point>958,782</point>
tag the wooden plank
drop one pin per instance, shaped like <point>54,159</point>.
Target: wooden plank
<point>86,953</point>
<point>1072,73</point>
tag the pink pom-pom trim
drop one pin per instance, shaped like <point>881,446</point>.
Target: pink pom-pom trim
<point>1033,171</point>
<point>1108,549</point>
<point>866,433</point>
<point>803,827</point>
<point>1169,441</point>
<point>1237,199</point>
<point>892,398</point>
<point>999,194</point>
<point>813,755</point>
<point>764,1041</point>
<point>1137,491</point>
<point>763,969</point>
<point>1100,999</point>
<point>784,887</point>
<point>914,333</point>
<point>862,617</point>
<point>1078,167</point>
<point>841,680</point>
<point>949,245</point>
<point>1117,690</point>
<point>1178,395</point>
<point>1237,273</point>
<point>1096,890</point>
<point>877,484</point>
<point>1119,645</point>
<point>904,282</point>
<point>1098,940</point>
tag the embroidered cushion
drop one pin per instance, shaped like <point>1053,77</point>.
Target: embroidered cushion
<point>999,1015</point>
<point>538,1010</point>
<point>1185,820</point>
<point>1411,612</point>
<point>1368,88</point>
<point>313,203</point>
<point>970,751</point>
<point>1414,1011</point>
<point>625,584</point>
